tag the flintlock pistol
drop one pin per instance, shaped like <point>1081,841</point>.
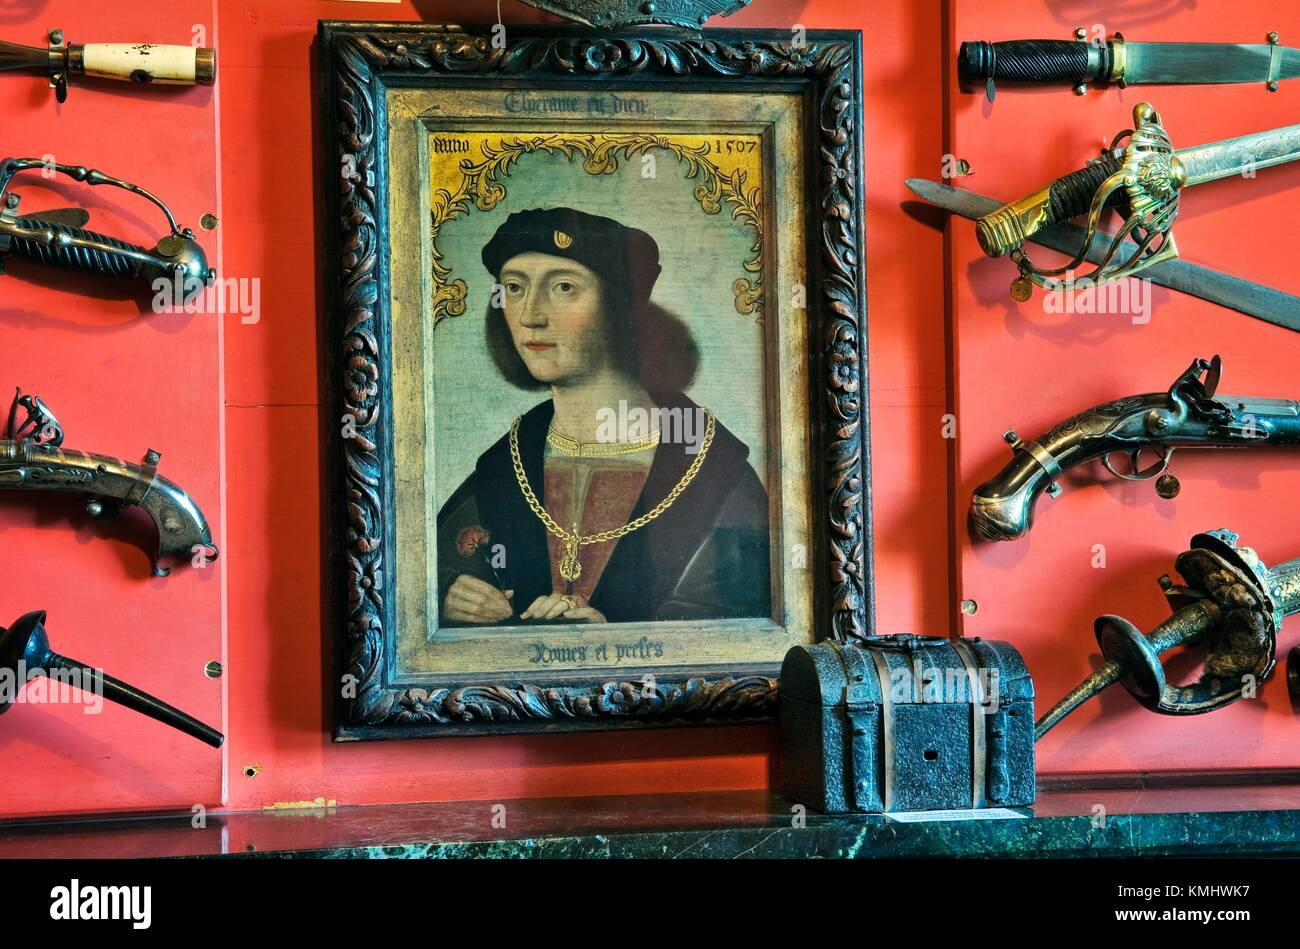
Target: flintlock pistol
<point>32,457</point>
<point>1188,414</point>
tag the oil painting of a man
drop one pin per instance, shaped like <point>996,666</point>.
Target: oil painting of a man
<point>575,515</point>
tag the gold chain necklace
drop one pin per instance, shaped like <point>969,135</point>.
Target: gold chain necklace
<point>571,446</point>
<point>570,569</point>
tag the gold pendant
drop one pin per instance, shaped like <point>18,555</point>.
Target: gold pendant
<point>570,569</point>
<point>1022,288</point>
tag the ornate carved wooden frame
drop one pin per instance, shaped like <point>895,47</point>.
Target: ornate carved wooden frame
<point>359,61</point>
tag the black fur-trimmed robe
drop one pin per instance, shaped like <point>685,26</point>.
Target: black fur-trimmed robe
<point>706,557</point>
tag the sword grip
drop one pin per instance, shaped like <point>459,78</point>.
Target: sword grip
<point>76,257</point>
<point>1007,228</point>
<point>1293,673</point>
<point>1034,61</point>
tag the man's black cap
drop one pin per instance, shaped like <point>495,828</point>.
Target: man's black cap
<point>617,254</point>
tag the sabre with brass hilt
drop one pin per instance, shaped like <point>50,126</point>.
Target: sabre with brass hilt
<point>57,238</point>
<point>1189,414</point>
<point>142,63</point>
<point>1143,177</point>
<point>1232,604</point>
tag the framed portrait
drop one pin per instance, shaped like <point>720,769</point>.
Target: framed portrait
<point>597,362</point>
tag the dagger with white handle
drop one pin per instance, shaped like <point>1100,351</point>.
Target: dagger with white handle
<point>1080,61</point>
<point>134,62</point>
<point>1144,177</point>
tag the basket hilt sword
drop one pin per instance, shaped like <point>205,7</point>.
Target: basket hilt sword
<point>1143,176</point>
<point>1232,604</point>
<point>57,239</point>
<point>1253,299</point>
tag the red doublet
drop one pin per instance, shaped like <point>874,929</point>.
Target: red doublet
<point>603,492</point>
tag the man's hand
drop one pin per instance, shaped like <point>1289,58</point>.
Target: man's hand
<point>565,605</point>
<point>471,600</point>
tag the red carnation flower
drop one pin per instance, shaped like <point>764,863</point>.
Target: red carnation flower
<point>472,539</point>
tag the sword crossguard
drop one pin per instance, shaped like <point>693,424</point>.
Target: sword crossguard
<point>1139,173</point>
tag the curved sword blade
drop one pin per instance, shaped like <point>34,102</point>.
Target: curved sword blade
<point>1252,299</point>
<point>1244,154</point>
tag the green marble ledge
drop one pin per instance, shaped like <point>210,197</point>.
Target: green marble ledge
<point>1217,821</point>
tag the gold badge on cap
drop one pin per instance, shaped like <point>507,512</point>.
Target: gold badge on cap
<point>562,240</point>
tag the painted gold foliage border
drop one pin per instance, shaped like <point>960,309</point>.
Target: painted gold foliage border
<point>481,185</point>
<point>362,53</point>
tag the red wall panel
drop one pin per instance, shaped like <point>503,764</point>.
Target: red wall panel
<point>122,380</point>
<point>278,717</point>
<point>1020,366</point>
<point>1013,365</point>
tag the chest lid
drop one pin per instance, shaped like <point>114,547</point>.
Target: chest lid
<point>829,674</point>
<point>913,669</point>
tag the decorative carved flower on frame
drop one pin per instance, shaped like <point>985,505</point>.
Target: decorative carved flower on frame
<point>362,379</point>
<point>844,367</point>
